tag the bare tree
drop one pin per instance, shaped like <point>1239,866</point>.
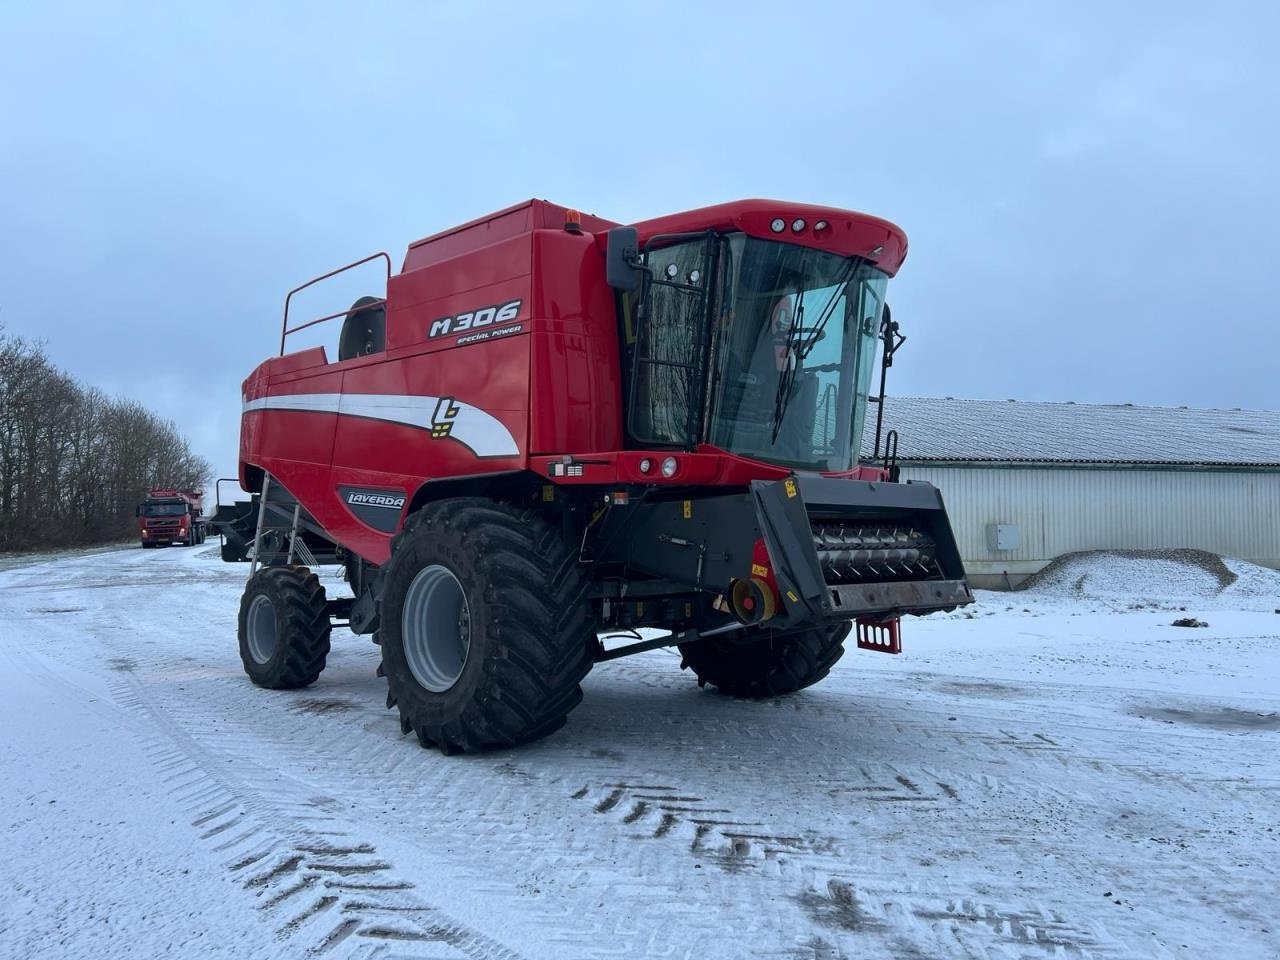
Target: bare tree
<point>74,462</point>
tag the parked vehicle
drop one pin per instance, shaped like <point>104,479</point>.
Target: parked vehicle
<point>553,427</point>
<point>172,516</point>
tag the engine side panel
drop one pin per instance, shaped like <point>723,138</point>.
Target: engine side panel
<point>575,377</point>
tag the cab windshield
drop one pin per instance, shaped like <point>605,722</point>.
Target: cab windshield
<point>164,509</point>
<point>794,346</point>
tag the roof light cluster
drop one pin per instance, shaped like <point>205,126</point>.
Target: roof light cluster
<point>798,225</point>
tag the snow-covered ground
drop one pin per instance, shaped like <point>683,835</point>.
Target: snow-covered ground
<point>1053,773</point>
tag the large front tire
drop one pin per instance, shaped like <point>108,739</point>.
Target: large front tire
<point>768,664</point>
<point>283,628</point>
<point>484,626</point>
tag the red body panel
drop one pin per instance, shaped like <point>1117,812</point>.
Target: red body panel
<point>192,498</point>
<point>514,221</point>
<point>501,354</point>
<point>849,234</point>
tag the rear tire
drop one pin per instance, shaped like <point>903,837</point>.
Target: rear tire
<point>484,626</point>
<point>283,628</point>
<point>771,664</point>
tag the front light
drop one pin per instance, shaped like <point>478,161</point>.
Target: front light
<point>669,467</point>
<point>778,225</point>
<point>797,225</point>
<point>646,465</point>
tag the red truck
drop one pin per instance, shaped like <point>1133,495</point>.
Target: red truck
<point>553,427</point>
<point>172,516</point>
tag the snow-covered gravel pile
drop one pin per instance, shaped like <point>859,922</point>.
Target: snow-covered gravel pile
<point>1054,773</point>
<point>1151,575</point>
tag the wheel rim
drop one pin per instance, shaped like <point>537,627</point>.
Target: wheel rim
<point>260,628</point>
<point>435,627</point>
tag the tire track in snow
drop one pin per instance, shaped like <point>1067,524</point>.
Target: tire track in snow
<point>489,800</point>
<point>171,686</point>
<point>327,892</point>
<point>977,779</point>
<point>814,872</point>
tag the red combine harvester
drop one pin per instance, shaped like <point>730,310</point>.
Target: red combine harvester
<point>553,427</point>
<point>172,516</point>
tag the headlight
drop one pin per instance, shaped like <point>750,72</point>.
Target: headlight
<point>669,467</point>
<point>778,225</point>
<point>646,465</point>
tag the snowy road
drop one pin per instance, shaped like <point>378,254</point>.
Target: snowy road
<point>1050,777</point>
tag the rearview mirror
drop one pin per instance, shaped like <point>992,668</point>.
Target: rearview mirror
<point>622,259</point>
<point>890,336</point>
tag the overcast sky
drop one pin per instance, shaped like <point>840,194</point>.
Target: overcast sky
<point>1090,191</point>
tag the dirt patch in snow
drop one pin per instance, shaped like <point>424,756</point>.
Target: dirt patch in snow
<point>1224,718</point>
<point>319,705</point>
<point>981,688</point>
<point>837,909</point>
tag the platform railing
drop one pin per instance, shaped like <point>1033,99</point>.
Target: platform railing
<point>285,329</point>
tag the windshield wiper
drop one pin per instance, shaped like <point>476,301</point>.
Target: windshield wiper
<point>788,373</point>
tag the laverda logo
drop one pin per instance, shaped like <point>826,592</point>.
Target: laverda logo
<point>389,500</point>
<point>476,319</point>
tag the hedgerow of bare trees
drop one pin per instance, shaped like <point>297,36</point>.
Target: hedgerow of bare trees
<point>74,463</point>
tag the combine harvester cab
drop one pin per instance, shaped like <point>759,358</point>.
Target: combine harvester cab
<point>552,427</point>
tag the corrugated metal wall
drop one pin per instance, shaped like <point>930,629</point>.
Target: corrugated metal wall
<point>1062,510</point>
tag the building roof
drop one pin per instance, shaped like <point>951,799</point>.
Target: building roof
<point>1008,431</point>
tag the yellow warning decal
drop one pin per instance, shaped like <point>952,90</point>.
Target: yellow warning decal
<point>759,570</point>
<point>790,486</point>
<point>792,597</point>
<point>548,493</point>
<point>688,509</point>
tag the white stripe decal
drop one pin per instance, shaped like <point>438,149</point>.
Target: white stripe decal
<point>443,417</point>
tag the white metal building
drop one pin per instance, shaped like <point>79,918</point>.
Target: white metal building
<point>1027,482</point>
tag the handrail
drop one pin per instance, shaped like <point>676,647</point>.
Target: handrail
<point>217,489</point>
<point>285,329</point>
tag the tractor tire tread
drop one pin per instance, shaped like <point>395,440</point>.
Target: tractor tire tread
<point>303,630</point>
<point>537,625</point>
<point>772,666</point>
